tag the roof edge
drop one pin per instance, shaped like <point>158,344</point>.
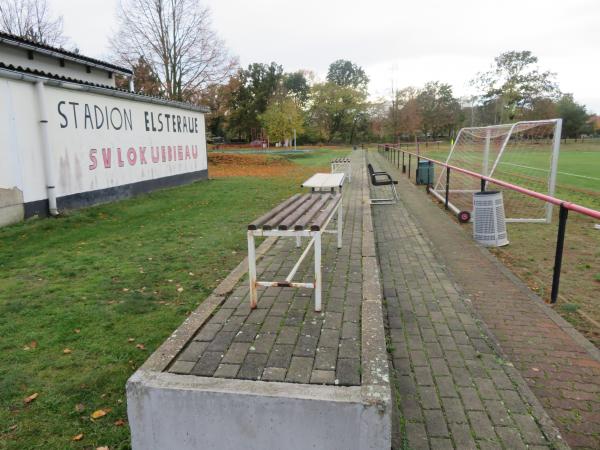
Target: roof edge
<point>26,74</point>
<point>18,41</point>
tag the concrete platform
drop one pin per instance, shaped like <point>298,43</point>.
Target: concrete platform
<point>281,375</point>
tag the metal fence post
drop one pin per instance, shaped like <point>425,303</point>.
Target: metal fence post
<point>482,185</point>
<point>409,157</point>
<point>560,243</point>
<point>403,165</point>
<point>447,187</point>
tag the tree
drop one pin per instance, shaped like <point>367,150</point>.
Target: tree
<point>32,19</point>
<point>145,80</point>
<point>337,112</point>
<point>439,109</point>
<point>574,115</point>
<point>176,39</point>
<point>296,85</point>
<point>347,74</point>
<point>257,85</point>
<point>281,118</point>
<point>218,98</point>
<point>514,83</point>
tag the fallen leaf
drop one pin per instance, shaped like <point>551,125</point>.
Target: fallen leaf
<point>102,448</point>
<point>77,330</point>
<point>66,351</point>
<point>77,437</point>
<point>130,339</point>
<point>31,398</point>
<point>535,369</point>
<point>191,274</point>
<point>125,290</point>
<point>79,407</point>
<point>141,346</point>
<point>119,422</point>
<point>179,289</point>
<point>99,413</point>
<point>33,344</point>
<point>12,427</point>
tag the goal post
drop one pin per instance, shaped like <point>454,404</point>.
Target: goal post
<point>522,153</point>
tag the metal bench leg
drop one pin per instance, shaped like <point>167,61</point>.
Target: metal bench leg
<point>252,270</point>
<point>318,271</point>
<point>298,241</point>
<point>339,226</point>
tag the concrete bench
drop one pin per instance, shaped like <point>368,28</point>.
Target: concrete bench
<point>302,215</point>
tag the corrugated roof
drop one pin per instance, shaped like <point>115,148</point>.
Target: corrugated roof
<point>43,48</point>
<point>49,75</point>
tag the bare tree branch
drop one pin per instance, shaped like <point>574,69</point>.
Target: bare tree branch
<point>32,19</point>
<point>176,38</point>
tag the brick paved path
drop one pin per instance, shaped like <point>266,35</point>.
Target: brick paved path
<point>453,390</point>
<point>561,367</point>
<point>284,339</point>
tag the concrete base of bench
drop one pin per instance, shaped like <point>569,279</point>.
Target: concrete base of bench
<point>170,411</point>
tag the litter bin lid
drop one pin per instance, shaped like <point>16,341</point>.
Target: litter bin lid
<point>486,193</point>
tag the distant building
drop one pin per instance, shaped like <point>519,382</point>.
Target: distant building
<point>70,138</point>
<point>594,121</point>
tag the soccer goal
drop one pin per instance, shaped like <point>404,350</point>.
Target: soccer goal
<point>522,153</point>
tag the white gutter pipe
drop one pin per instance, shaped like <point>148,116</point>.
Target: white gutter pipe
<point>46,148</point>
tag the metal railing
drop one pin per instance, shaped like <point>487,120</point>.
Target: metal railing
<point>394,153</point>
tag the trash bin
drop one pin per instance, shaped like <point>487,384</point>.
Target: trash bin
<point>489,221</point>
<point>425,173</point>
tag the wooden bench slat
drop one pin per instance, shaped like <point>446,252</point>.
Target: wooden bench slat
<point>303,221</point>
<point>320,219</point>
<point>291,220</point>
<point>265,217</point>
<point>282,214</point>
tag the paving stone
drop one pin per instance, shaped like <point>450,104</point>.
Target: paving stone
<point>428,397</point>
<point>227,370</point>
<point>288,335</point>
<point>300,370</point>
<point>435,423</point>
<point>252,367</point>
<point>247,333</point>
<point>271,325</point>
<point>481,425</point>
<point>306,346</point>
<point>329,338</point>
<point>326,358</point>
<point>511,438</point>
<point>221,341</point>
<point>237,353</point>
<point>274,374</point>
<point>193,351</point>
<point>349,348</point>
<point>208,332</point>
<point>262,344</point>
<point>322,377</point>
<point>416,436</point>
<point>234,323</point>
<point>182,367</point>
<point>454,409</point>
<point>529,429</point>
<point>462,436</point>
<point>208,363</point>
<point>280,356</point>
<point>221,315</point>
<point>348,372</point>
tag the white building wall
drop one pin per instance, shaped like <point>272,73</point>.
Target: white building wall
<point>18,57</point>
<point>90,157</point>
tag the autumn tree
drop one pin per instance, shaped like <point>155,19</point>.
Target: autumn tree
<point>337,112</point>
<point>33,20</point>
<point>177,40</point>
<point>145,80</point>
<point>281,118</point>
<point>257,86</point>
<point>438,108</point>
<point>513,83</point>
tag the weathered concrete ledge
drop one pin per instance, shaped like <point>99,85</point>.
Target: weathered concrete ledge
<point>168,410</point>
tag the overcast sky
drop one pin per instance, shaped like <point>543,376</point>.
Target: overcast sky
<point>406,43</point>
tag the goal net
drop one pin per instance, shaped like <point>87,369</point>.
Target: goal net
<point>523,153</point>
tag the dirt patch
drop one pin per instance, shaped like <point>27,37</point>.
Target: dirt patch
<point>229,165</point>
<point>222,165</point>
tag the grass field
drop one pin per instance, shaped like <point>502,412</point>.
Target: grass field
<point>86,298</point>
<point>531,251</point>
